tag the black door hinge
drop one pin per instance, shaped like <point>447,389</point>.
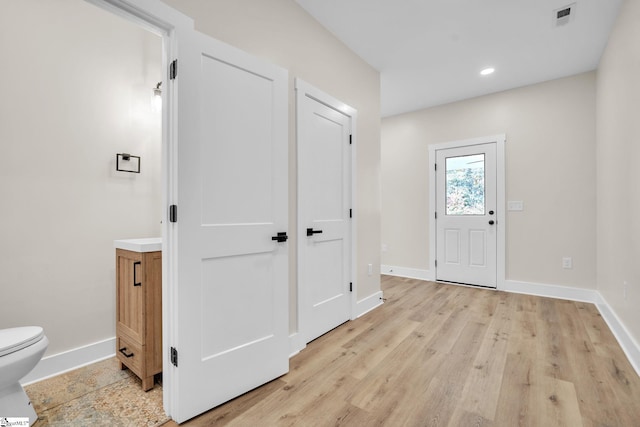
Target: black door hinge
<point>173,69</point>
<point>350,213</point>
<point>173,213</point>
<point>350,139</point>
<point>436,213</point>
<point>174,357</point>
<point>350,286</point>
<point>436,263</point>
<point>435,166</point>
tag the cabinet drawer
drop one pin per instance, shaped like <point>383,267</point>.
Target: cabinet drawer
<point>130,353</point>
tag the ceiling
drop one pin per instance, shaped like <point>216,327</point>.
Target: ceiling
<point>431,52</point>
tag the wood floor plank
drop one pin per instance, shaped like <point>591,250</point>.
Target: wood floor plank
<point>457,316</point>
<point>443,395</point>
<point>225,414</point>
<point>588,381</point>
<point>392,383</point>
<point>482,387</point>
<point>445,355</point>
<point>516,390</point>
<point>379,349</point>
<point>552,346</point>
<point>557,402</point>
<point>469,419</point>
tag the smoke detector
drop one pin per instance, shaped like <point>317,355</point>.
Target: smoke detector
<point>564,15</point>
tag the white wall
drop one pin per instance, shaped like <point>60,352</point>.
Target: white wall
<point>76,88</point>
<point>284,34</point>
<point>618,151</point>
<point>550,166</point>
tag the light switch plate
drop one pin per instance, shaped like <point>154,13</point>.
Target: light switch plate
<point>515,205</point>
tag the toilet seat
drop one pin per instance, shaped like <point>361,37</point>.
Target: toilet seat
<point>14,339</point>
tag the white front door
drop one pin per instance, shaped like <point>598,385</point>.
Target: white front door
<point>230,302</point>
<point>324,210</point>
<point>466,215</point>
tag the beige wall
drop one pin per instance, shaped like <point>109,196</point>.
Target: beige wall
<point>76,88</point>
<point>618,151</point>
<point>284,34</point>
<point>550,166</point>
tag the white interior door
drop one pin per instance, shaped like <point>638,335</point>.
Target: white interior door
<point>324,224</point>
<point>230,302</point>
<point>466,215</point>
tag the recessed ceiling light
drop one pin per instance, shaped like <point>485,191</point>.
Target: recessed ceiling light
<point>487,71</point>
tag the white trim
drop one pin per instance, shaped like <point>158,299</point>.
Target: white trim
<point>500,141</point>
<point>304,89</point>
<point>369,303</point>
<point>324,98</point>
<point>629,345</point>
<point>172,25</point>
<point>66,361</point>
<point>551,291</point>
<point>296,344</point>
<point>152,15</point>
<point>411,273</point>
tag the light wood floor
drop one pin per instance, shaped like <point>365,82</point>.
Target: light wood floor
<point>445,355</point>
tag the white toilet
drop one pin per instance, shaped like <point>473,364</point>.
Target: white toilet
<point>20,351</point>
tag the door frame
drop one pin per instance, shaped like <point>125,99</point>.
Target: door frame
<point>304,89</point>
<point>500,141</point>
<point>161,19</point>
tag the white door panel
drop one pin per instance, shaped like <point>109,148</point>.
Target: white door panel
<point>477,248</point>
<point>231,296</point>
<point>466,221</point>
<point>324,203</point>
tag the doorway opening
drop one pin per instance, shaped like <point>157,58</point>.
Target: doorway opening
<point>83,109</point>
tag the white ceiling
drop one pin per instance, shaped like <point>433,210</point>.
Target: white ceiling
<point>430,52</point>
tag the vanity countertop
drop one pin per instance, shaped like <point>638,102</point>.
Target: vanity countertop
<point>151,244</point>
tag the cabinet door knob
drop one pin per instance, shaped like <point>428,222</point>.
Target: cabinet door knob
<point>123,350</point>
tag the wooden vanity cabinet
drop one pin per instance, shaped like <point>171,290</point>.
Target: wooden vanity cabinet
<point>139,313</point>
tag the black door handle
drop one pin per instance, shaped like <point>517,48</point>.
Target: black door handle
<point>135,276</point>
<point>491,222</point>
<point>281,237</point>
<point>311,231</point>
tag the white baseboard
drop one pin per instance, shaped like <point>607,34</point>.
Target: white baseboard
<point>410,273</point>
<point>629,345</point>
<point>60,363</point>
<point>367,304</point>
<point>551,291</point>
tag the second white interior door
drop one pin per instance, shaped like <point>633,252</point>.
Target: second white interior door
<point>324,224</point>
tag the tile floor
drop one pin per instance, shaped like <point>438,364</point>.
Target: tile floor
<point>100,394</point>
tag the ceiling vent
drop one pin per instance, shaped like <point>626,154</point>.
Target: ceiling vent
<point>564,15</point>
